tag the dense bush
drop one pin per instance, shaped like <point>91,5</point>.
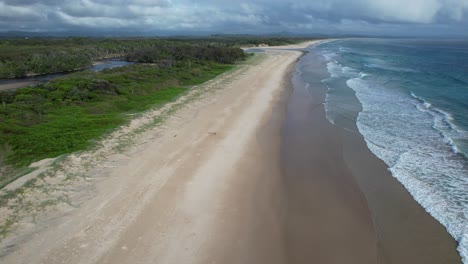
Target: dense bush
<point>166,55</point>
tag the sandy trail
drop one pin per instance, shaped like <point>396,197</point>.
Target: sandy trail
<point>15,85</point>
<point>195,193</point>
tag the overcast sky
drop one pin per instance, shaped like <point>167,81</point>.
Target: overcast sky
<point>395,17</point>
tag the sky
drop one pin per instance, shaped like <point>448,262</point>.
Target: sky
<point>442,18</point>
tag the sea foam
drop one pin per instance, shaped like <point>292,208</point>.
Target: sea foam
<point>415,140</point>
<point>414,143</point>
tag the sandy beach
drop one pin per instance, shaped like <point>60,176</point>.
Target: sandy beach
<point>202,189</point>
<point>252,172</point>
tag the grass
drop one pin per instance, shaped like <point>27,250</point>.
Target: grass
<point>69,114</point>
<point>13,175</point>
<point>43,192</point>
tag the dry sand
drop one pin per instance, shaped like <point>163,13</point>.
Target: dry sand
<point>204,189</point>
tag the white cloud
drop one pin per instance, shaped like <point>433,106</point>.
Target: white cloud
<point>416,11</point>
<point>94,22</point>
<point>17,12</point>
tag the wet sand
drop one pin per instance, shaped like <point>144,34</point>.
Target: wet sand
<point>342,204</point>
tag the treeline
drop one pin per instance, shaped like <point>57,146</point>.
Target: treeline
<point>168,54</point>
<point>23,57</point>
<point>247,40</point>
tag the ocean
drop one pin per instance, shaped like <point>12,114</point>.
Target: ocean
<point>409,100</point>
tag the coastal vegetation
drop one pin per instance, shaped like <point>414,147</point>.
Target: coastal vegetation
<point>68,114</point>
<point>26,57</point>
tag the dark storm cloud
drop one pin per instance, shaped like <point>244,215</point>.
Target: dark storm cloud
<point>354,16</point>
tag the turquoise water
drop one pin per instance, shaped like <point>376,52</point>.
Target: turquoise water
<point>409,99</point>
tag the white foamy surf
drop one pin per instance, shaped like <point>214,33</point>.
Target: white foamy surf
<point>416,141</point>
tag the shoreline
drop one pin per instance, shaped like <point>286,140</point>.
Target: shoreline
<point>317,153</point>
<point>327,220</point>
<point>16,85</point>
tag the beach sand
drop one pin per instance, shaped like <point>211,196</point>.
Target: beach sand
<point>343,205</point>
<point>202,188</point>
<point>250,173</point>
